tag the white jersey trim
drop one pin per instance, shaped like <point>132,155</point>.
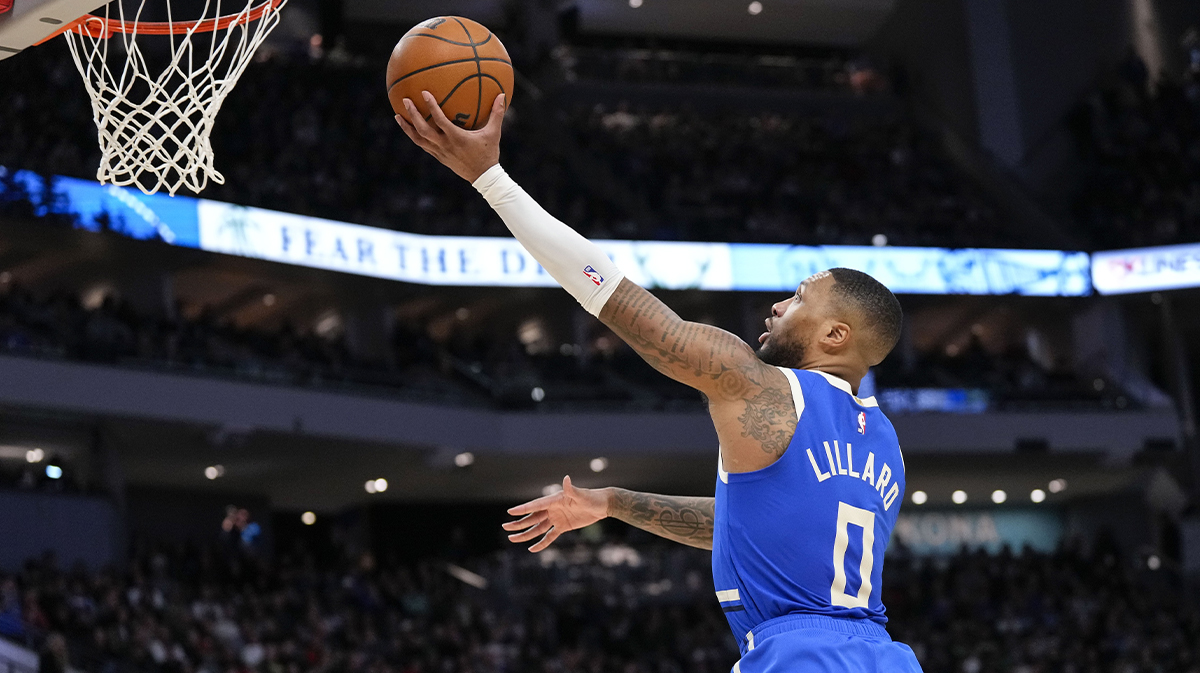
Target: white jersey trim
<point>797,394</point>
<point>726,595</point>
<point>843,385</point>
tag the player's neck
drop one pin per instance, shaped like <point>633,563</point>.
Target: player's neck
<point>844,372</point>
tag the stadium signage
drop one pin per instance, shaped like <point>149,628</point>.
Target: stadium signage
<point>462,260</point>
<point>919,270</point>
<point>941,533</point>
<point>502,262</point>
<point>439,260</point>
<point>1146,269</point>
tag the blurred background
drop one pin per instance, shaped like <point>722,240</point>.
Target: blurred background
<point>275,426</point>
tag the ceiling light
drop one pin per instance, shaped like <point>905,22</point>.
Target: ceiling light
<point>538,394</point>
<point>755,8</point>
<point>34,456</point>
<point>268,300</point>
<point>308,518</point>
<point>328,325</point>
<point>1154,562</point>
<point>598,464</point>
<point>999,496</point>
<point>381,485</point>
<point>464,459</point>
<point>370,486</point>
<point>214,471</point>
<point>879,240</point>
<point>920,497</point>
<point>635,3</point>
<point>54,471</point>
<point>530,332</point>
<point>1037,495</point>
<point>959,497</point>
<point>552,489</point>
<point>1058,486</point>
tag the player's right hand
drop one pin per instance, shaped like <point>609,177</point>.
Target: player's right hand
<point>553,515</point>
<point>467,153</point>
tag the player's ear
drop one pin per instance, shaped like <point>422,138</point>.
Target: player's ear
<point>837,336</point>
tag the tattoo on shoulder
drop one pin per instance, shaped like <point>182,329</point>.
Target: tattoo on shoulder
<point>770,418</point>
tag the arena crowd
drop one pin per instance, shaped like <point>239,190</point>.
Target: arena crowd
<point>494,368</point>
<point>327,146</point>
<point>1140,145</point>
<point>600,606</point>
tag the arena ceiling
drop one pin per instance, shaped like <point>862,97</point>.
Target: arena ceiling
<point>838,23</point>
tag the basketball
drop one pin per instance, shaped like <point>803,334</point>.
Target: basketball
<point>457,60</point>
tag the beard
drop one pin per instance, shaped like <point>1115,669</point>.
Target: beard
<point>780,352</point>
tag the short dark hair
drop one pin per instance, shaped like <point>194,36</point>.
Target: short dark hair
<point>879,308</point>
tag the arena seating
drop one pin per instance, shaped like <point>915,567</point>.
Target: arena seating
<point>605,606</point>
<point>497,369</point>
<point>681,174</point>
<point>1141,152</point>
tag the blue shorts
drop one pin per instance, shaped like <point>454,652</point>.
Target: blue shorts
<point>816,644</point>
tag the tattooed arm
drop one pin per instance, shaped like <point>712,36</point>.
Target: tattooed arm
<point>682,519</point>
<point>750,401</point>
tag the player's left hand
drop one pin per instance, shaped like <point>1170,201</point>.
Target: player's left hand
<point>552,515</point>
<point>467,153</point>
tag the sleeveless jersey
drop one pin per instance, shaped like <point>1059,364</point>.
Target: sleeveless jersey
<point>806,535</point>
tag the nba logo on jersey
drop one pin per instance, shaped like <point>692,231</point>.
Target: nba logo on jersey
<point>862,423</point>
<point>593,274</point>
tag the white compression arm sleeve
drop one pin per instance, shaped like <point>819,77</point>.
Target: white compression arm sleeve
<point>579,265</point>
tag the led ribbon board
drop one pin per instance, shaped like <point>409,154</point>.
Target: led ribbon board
<point>1146,269</point>
<point>502,262</point>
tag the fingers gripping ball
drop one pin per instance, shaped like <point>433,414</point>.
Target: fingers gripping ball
<point>457,60</point>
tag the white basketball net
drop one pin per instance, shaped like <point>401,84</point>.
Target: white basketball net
<point>154,128</point>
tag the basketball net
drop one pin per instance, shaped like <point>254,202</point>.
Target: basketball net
<point>154,127</point>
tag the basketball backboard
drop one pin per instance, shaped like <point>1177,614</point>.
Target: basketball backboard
<point>24,23</point>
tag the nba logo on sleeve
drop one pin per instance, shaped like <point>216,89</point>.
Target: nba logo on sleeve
<point>862,423</point>
<point>593,274</point>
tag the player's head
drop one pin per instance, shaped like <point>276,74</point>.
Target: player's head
<point>836,314</point>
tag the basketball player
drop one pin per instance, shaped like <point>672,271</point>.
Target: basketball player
<point>810,477</point>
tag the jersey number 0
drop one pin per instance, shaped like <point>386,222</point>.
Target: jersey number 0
<point>849,514</point>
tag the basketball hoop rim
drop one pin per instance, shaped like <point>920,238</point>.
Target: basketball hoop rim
<point>100,27</point>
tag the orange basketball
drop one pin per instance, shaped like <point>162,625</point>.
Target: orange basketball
<point>457,60</point>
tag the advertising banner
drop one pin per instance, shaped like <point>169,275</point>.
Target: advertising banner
<point>441,260</point>
<point>502,262</point>
<point>919,270</point>
<point>1146,269</point>
<point>942,532</point>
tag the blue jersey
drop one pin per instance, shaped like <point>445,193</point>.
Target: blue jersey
<point>806,535</point>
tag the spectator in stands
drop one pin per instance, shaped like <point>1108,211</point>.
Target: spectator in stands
<point>53,658</point>
<point>11,620</point>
